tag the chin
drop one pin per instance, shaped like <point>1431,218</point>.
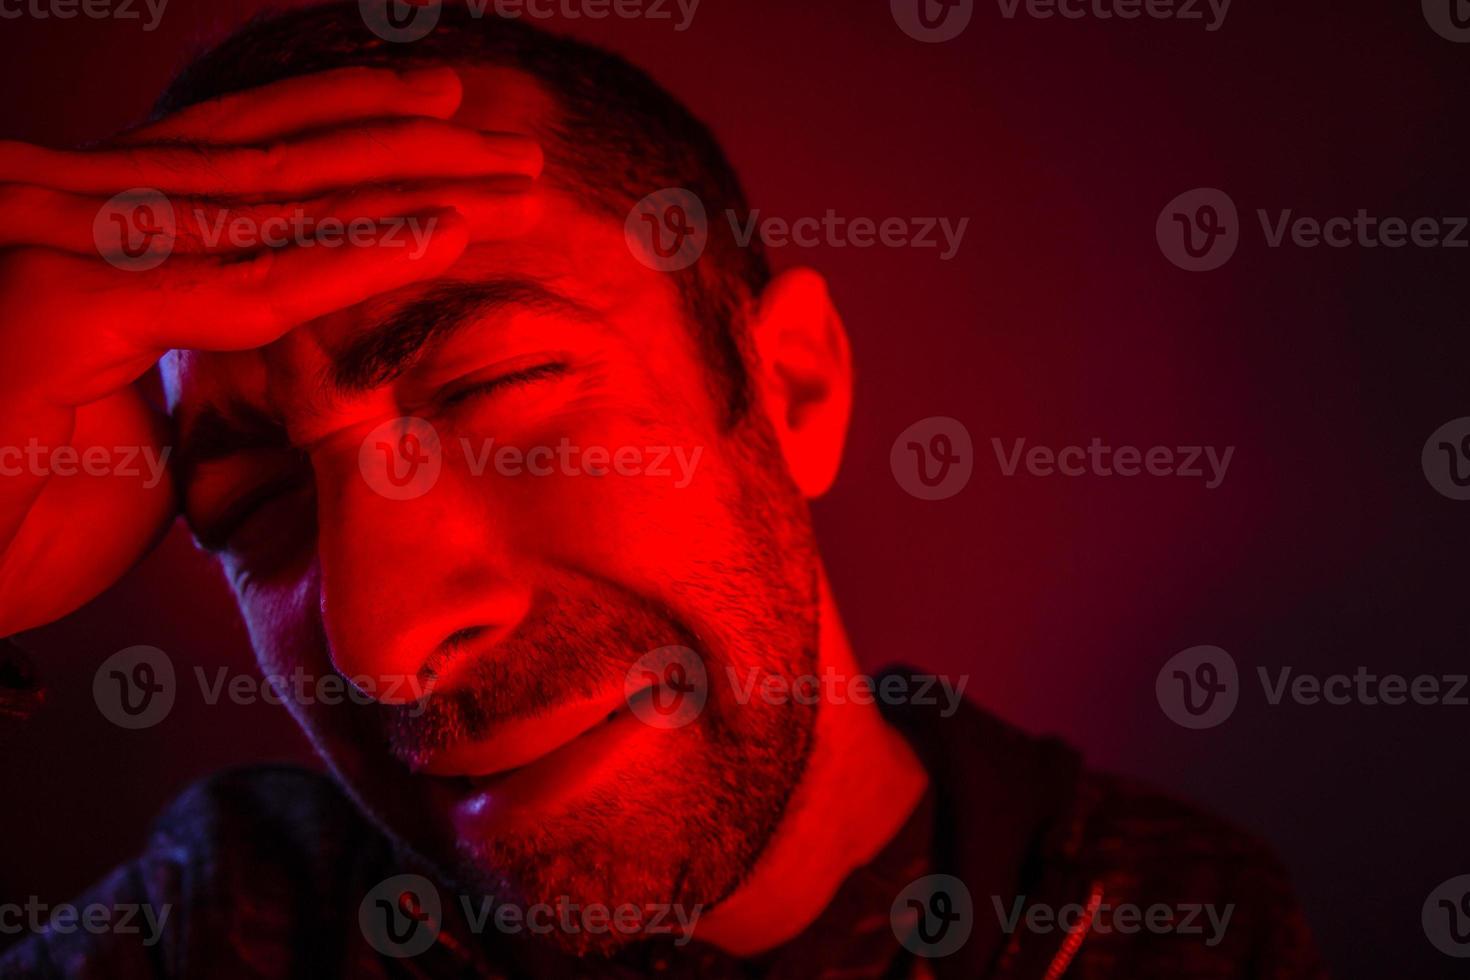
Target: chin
<point>672,829</point>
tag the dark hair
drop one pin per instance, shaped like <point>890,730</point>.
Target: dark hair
<point>618,135</point>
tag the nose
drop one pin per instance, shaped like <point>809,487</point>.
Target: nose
<point>413,588</point>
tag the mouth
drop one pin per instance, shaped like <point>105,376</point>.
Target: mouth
<point>584,755</point>
<point>525,743</point>
<point>542,766</point>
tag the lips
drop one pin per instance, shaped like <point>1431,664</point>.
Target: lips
<point>523,742</point>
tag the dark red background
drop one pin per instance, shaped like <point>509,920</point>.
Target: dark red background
<point>1059,321</point>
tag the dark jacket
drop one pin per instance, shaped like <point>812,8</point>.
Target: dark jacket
<point>1069,873</point>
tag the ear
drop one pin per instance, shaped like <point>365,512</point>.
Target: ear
<point>805,376</point>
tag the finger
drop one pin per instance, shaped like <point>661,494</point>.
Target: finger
<point>308,102</point>
<point>402,150</point>
<point>495,209</point>
<point>84,531</point>
<point>109,325</point>
<point>251,303</point>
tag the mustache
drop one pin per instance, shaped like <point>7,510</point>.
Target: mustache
<point>567,648</point>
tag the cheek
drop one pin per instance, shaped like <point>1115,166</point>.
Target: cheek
<point>283,617</point>
<point>658,516</point>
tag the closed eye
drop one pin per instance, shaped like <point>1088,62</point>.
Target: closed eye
<point>475,388</point>
<point>214,535</point>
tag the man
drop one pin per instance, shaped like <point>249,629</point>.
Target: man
<point>431,467</point>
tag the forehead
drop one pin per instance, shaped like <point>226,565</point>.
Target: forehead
<point>569,246</point>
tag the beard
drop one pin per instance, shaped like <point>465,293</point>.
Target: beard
<point>680,827</point>
<point>673,828</point>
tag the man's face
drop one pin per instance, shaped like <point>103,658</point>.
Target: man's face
<point>520,595</point>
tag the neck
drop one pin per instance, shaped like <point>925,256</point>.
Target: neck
<point>859,767</point>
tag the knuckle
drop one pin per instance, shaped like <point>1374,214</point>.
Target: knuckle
<point>414,131</point>
<point>27,265</point>
<point>270,161</point>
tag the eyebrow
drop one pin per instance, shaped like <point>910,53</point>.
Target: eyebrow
<point>369,361</point>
